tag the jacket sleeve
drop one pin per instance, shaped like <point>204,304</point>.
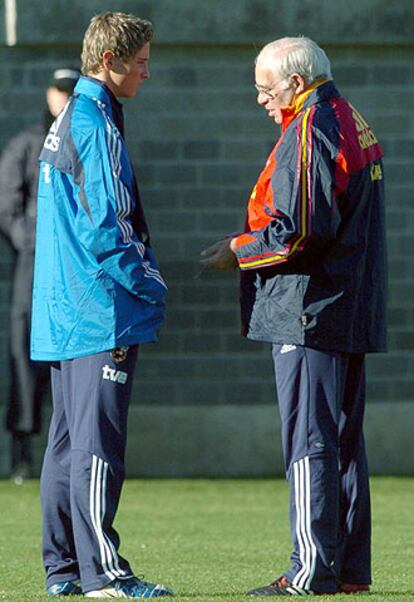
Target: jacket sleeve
<point>103,219</point>
<point>12,191</point>
<point>300,201</point>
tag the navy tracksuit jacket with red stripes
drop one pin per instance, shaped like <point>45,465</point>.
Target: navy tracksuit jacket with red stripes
<point>313,256</point>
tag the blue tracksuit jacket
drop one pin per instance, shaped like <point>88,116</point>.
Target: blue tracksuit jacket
<point>96,285</point>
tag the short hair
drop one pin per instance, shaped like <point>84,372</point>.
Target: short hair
<point>122,33</point>
<point>299,55</point>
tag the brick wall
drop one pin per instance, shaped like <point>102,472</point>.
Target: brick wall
<point>198,140</point>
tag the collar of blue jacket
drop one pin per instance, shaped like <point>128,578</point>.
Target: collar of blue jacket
<point>95,88</point>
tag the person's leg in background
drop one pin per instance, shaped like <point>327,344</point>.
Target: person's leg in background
<point>20,420</point>
<point>29,381</point>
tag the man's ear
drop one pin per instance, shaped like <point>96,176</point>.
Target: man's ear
<point>108,60</point>
<point>298,83</point>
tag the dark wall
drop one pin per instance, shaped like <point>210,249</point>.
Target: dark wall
<point>198,140</point>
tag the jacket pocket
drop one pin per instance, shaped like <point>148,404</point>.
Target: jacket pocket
<point>278,309</point>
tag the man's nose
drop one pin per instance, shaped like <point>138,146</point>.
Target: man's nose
<point>262,99</point>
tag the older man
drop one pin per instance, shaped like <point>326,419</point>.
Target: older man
<point>313,282</point>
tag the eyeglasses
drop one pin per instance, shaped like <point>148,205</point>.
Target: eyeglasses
<point>268,91</point>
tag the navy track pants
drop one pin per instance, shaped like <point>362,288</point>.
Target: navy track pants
<point>321,398</point>
<point>83,469</point>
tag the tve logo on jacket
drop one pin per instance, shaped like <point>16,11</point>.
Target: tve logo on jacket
<point>97,285</point>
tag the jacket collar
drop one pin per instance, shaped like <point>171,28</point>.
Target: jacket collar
<point>98,90</point>
<point>317,92</point>
<point>95,88</point>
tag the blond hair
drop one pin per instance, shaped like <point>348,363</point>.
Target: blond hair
<point>122,33</point>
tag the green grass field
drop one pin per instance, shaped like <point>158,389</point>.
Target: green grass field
<point>207,539</point>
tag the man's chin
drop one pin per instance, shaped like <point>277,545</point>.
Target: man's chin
<point>129,93</point>
<point>276,118</point>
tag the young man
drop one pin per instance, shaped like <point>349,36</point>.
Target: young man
<point>19,173</point>
<point>97,295</point>
<point>313,283</point>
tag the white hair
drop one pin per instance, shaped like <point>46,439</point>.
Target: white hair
<point>299,55</point>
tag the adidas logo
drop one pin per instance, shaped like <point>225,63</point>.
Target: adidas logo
<point>116,376</point>
<point>52,142</point>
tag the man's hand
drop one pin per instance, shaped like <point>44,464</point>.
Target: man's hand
<point>219,256</point>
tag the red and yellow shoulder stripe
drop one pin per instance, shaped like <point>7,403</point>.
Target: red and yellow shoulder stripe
<point>303,204</point>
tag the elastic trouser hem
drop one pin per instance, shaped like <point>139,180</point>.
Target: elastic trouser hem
<point>60,577</point>
<point>328,588</point>
<point>101,583</point>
